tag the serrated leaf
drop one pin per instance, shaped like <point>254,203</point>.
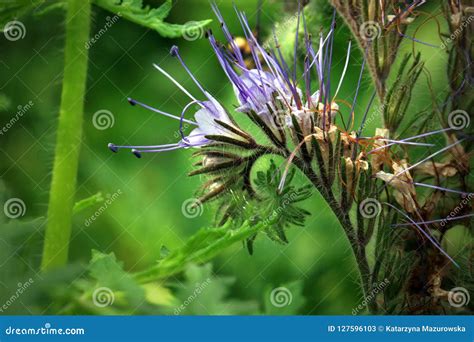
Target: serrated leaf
<point>202,293</point>
<point>15,9</point>
<point>200,248</point>
<point>109,273</point>
<point>153,18</point>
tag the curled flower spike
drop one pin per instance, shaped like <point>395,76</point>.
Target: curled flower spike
<point>267,92</point>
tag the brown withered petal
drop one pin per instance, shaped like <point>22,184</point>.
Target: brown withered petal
<point>404,193</point>
<point>437,169</point>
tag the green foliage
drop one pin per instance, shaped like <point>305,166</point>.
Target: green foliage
<point>203,293</point>
<point>275,210</point>
<point>399,95</point>
<point>200,248</point>
<point>153,18</point>
<point>279,208</point>
<point>87,202</point>
<point>132,10</point>
<point>15,9</point>
<point>251,206</point>
<point>19,245</point>
<point>108,272</point>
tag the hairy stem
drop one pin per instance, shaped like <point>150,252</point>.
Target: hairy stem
<point>357,247</point>
<point>69,136</point>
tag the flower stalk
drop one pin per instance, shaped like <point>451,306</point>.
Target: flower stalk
<point>69,136</point>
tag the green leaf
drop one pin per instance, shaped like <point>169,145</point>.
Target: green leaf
<point>15,9</point>
<point>276,210</point>
<point>109,273</point>
<point>87,202</point>
<point>200,248</point>
<point>153,18</point>
<point>202,293</point>
<point>279,209</point>
<point>399,95</point>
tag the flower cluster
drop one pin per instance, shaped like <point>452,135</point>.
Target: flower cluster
<point>268,91</point>
<point>301,118</point>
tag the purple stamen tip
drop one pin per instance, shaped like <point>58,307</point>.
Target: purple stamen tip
<point>113,147</point>
<point>174,51</point>
<point>136,153</point>
<point>131,101</point>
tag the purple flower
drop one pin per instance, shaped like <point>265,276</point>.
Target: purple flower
<point>268,92</point>
<point>210,120</point>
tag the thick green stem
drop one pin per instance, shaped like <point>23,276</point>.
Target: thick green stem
<point>69,136</point>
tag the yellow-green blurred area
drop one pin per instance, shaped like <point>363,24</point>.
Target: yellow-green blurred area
<point>147,212</point>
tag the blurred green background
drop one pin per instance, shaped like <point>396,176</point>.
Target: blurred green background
<point>147,214</point>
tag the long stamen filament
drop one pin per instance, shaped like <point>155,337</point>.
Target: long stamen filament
<point>288,163</point>
<point>115,148</point>
<point>429,157</point>
<point>444,189</point>
<point>138,152</point>
<point>431,239</point>
<point>175,82</point>
<point>135,102</point>
<point>175,53</point>
<point>435,221</point>
<point>344,70</point>
<point>411,138</point>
